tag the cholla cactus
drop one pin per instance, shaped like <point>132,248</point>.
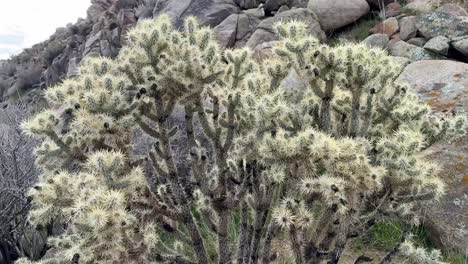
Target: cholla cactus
<point>236,147</point>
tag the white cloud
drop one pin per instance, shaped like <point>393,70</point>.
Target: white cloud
<point>24,23</point>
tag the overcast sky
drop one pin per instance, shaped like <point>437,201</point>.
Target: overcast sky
<point>24,23</point>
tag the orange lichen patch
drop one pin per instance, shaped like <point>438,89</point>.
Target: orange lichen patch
<point>465,179</point>
<point>442,107</point>
<point>434,93</point>
<point>460,167</point>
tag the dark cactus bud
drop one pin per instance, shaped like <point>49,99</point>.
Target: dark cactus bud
<point>334,188</point>
<point>50,181</point>
<point>106,125</point>
<point>37,187</point>
<point>142,91</point>
<point>68,111</point>
<point>372,91</point>
<point>77,106</point>
<point>273,133</point>
<point>334,208</point>
<point>316,72</point>
<point>316,53</point>
<point>343,202</point>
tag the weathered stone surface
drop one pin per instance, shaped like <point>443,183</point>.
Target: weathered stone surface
<point>294,86</point>
<point>461,45</point>
<point>264,50</point>
<point>442,24</point>
<point>408,28</point>
<point>235,28</point>
<point>419,6</point>
<point>392,9</point>
<point>273,5</point>
<point>258,12</point>
<point>248,4</point>
<point>438,45</point>
<point>226,31</point>
<point>417,42</point>
<point>389,27</point>
<point>208,12</point>
<point>401,60</point>
<point>265,33</point>
<point>412,52</point>
<point>282,9</point>
<point>72,70</point>
<point>377,41</point>
<point>335,14</point>
<point>452,9</point>
<point>444,85</point>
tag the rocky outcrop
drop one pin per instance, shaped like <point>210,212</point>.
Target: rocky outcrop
<point>236,29</point>
<point>336,14</point>
<point>452,9</point>
<point>103,33</point>
<point>265,32</point>
<point>408,28</point>
<point>442,24</point>
<point>441,83</point>
<point>412,52</point>
<point>439,44</point>
<point>209,12</point>
<point>444,85</point>
<point>461,45</point>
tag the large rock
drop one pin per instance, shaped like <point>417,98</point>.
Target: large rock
<point>438,45</point>
<point>248,4</point>
<point>442,24</point>
<point>377,41</point>
<point>461,45</point>
<point>453,10</point>
<point>444,85</point>
<point>412,52</point>
<point>235,29</point>
<point>389,27</point>
<point>392,9</point>
<point>273,5</point>
<point>417,42</point>
<point>408,28</point>
<point>338,13</point>
<point>420,6</point>
<point>208,12</point>
<point>265,32</point>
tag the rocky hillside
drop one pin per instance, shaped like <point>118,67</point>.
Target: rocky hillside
<point>427,35</point>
